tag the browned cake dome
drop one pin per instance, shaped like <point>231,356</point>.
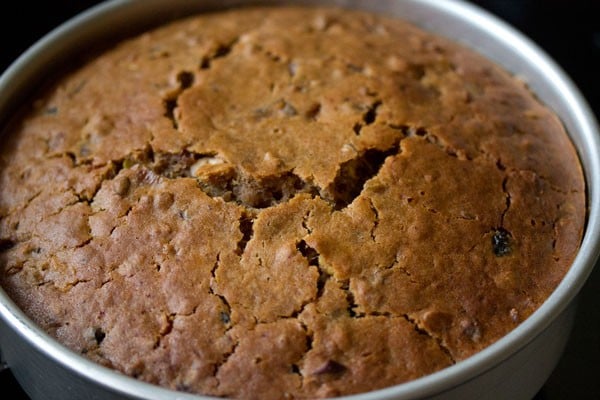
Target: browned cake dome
<point>286,203</point>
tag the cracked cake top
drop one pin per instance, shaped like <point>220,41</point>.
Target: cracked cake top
<point>285,203</point>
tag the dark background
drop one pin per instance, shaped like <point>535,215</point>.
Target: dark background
<point>568,30</point>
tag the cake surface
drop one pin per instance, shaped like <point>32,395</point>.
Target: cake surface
<point>285,202</point>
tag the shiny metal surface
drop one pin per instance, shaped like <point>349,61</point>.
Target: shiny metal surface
<point>513,368</point>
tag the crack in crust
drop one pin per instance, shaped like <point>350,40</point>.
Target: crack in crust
<point>185,80</point>
<point>312,257</point>
<point>422,330</point>
<point>222,50</point>
<point>246,222</point>
<point>353,174</point>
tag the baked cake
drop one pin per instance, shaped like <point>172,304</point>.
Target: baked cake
<point>285,202</point>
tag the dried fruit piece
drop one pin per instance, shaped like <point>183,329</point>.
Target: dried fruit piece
<point>501,242</point>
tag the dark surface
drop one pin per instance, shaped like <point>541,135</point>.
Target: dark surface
<point>569,31</point>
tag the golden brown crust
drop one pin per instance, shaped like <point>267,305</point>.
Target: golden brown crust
<point>286,203</point>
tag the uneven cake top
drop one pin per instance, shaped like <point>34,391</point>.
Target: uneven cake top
<point>286,203</point>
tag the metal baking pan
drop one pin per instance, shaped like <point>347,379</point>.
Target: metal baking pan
<point>515,367</point>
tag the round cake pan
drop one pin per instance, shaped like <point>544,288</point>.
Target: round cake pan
<point>514,367</point>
